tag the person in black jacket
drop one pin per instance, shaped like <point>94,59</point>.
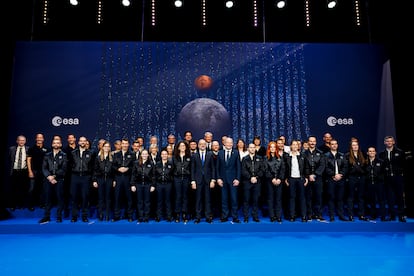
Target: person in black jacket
<point>142,183</point>
<point>81,179</point>
<point>54,170</point>
<point>103,180</point>
<point>394,159</point>
<point>375,171</point>
<point>252,172</point>
<point>314,189</point>
<point>336,168</point>
<point>122,166</point>
<point>275,175</point>
<point>164,176</point>
<point>182,174</point>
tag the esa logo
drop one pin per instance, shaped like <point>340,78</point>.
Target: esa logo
<point>333,121</point>
<point>58,121</point>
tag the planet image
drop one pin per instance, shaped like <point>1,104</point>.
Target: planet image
<point>204,114</point>
<point>203,82</point>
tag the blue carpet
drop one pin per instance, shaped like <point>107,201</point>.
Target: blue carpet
<point>123,248</point>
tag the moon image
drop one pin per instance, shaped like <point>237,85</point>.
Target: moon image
<point>204,114</point>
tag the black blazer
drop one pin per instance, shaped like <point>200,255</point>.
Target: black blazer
<point>12,156</point>
<point>228,170</point>
<point>200,172</point>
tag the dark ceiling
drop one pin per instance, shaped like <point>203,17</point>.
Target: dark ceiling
<point>133,23</point>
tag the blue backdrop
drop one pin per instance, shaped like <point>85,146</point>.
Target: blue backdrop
<point>126,89</point>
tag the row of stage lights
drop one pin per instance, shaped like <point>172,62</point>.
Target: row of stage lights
<point>228,4</point>
<point>204,20</point>
<point>280,4</point>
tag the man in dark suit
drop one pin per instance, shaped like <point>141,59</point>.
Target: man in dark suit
<point>202,180</point>
<point>228,178</point>
<point>18,173</point>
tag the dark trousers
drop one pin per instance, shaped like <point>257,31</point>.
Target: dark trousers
<point>297,192</point>
<point>251,199</point>
<point>122,190</point>
<point>394,186</point>
<point>203,199</point>
<point>164,199</point>
<point>376,195</point>
<point>335,190</point>
<point>181,186</point>
<point>356,189</point>
<point>274,199</point>
<point>20,188</point>
<point>52,192</point>
<point>143,201</point>
<point>105,190</point>
<point>79,191</point>
<point>313,195</point>
<point>229,198</point>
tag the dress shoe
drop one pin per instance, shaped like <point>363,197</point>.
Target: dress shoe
<point>44,220</point>
<point>107,218</point>
<point>209,220</point>
<point>393,218</point>
<point>402,219</point>
<point>177,218</point>
<point>351,218</point>
<point>12,209</point>
<point>343,218</point>
<point>278,219</point>
<point>223,219</point>
<point>130,219</point>
<point>304,219</point>
<point>383,218</point>
<point>292,219</point>
<point>363,218</point>
<point>272,219</point>
<point>246,220</point>
<point>31,209</point>
<point>85,219</point>
<point>331,218</point>
<point>236,220</point>
<point>146,220</point>
<point>74,219</point>
<point>58,219</point>
<point>116,219</point>
<point>169,219</point>
<point>256,219</point>
<point>157,219</point>
<point>321,218</point>
<point>100,218</point>
<point>197,221</point>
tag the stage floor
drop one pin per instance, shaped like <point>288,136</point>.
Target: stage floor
<point>127,248</point>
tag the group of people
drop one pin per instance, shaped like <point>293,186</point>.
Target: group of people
<point>207,179</point>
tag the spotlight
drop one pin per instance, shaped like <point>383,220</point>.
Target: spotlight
<point>126,3</point>
<point>280,4</point>
<point>74,2</point>
<point>178,3</point>
<point>229,4</point>
<point>332,3</point>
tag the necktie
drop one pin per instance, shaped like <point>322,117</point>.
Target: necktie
<point>202,158</point>
<point>20,159</point>
<point>227,156</point>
